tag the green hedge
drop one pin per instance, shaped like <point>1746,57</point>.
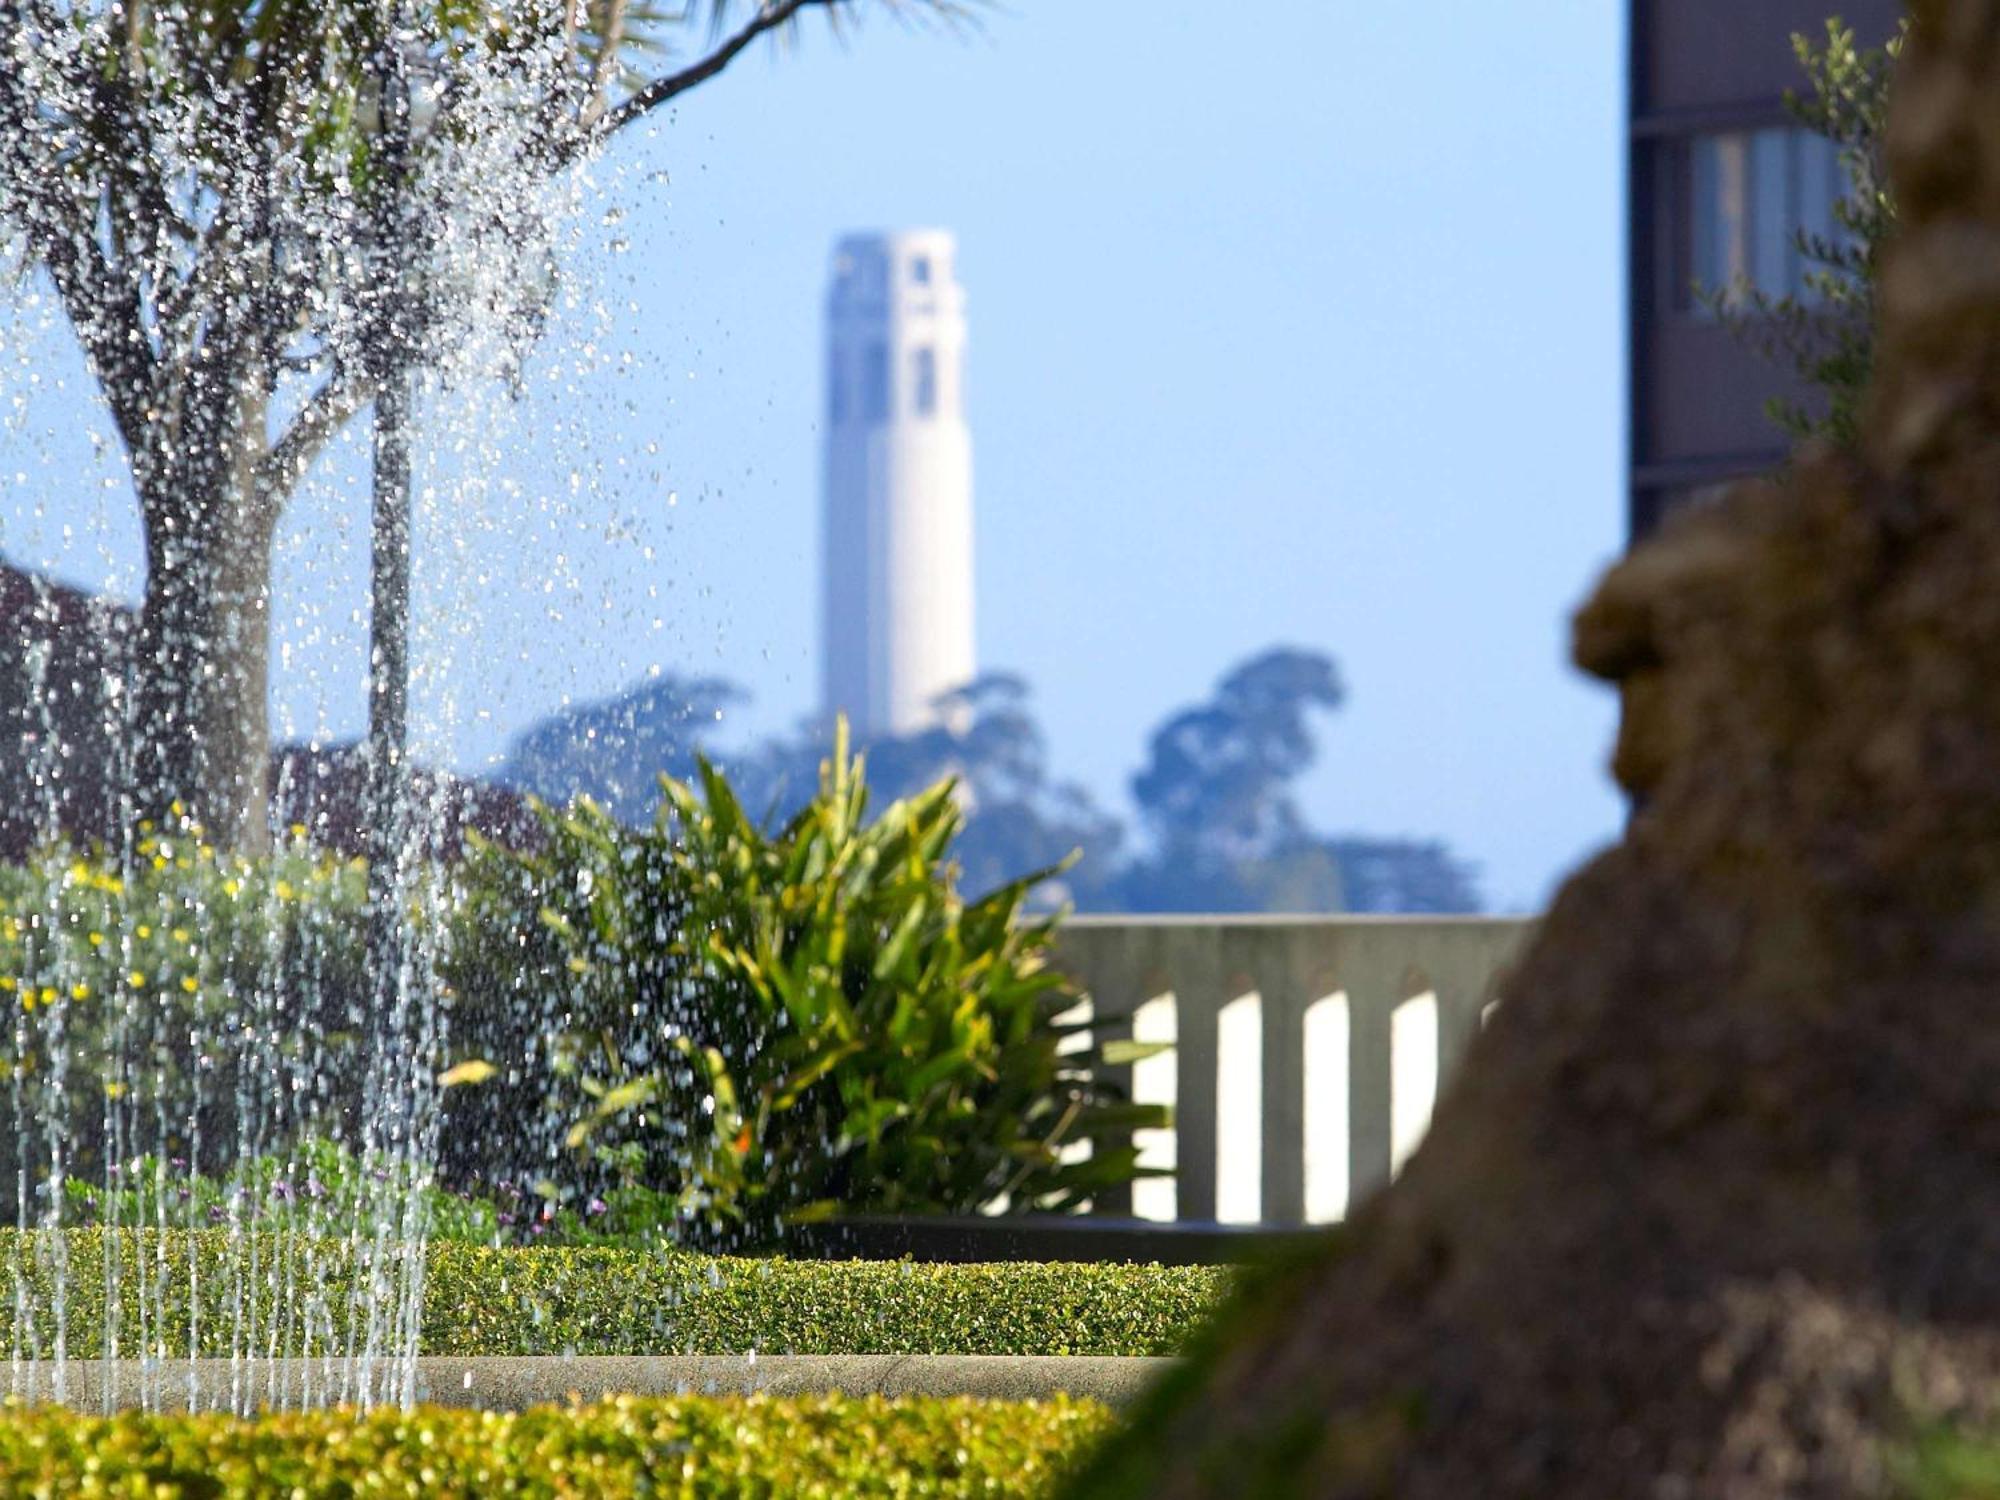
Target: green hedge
<point>587,1300</point>
<point>684,1446</point>
<point>1946,1463</point>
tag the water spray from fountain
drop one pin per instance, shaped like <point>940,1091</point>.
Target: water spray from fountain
<point>260,219</point>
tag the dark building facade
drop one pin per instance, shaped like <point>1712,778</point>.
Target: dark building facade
<point>1720,182</point>
<point>63,722</point>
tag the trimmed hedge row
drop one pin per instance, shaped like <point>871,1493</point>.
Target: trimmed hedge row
<point>689,1447</point>
<point>479,1300</point>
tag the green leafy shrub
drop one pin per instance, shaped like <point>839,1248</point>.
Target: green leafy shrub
<point>482,1300</point>
<point>312,1186</point>
<point>770,1027</point>
<point>688,1446</point>
<point>1825,334</point>
<point>111,963</point>
<point>585,1300</point>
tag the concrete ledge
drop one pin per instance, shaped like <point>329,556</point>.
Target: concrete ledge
<point>499,1384</point>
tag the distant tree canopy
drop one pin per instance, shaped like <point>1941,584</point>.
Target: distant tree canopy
<point>1216,795</point>
<point>615,752</point>
<point>1018,817</point>
<point>1222,828</point>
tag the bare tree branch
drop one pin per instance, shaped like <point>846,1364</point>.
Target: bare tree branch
<point>103,301</point>
<point>606,66</point>
<point>771,15</point>
<point>345,393</point>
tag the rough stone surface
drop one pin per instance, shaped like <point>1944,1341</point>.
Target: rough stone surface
<point>1715,1209</point>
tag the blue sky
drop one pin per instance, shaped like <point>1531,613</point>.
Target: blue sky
<point>1301,324</point>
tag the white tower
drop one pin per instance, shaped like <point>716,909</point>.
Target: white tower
<point>898,520</point>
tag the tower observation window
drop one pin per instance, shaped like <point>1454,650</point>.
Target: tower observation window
<point>923,380</point>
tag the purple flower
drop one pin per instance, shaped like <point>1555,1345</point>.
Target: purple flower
<point>113,1169</point>
<point>178,1163</point>
<point>314,1189</point>
<point>183,1195</point>
<point>506,1218</point>
<point>215,1213</point>
<point>537,1227</point>
<point>282,1191</point>
<point>595,1207</point>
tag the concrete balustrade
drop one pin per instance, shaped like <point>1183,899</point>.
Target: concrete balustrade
<point>1307,1051</point>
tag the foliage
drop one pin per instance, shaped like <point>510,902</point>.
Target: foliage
<point>776,1026</point>
<point>628,1446</point>
<point>1827,334</point>
<point>615,752</point>
<point>1216,773</point>
<point>485,1300</point>
<point>109,961</point>
<point>1226,831</point>
<point>594,1300</point>
<point>1017,816</point>
<point>560,972</point>
<point>1948,1463</point>
<point>173,916</point>
<point>314,1186</point>
<point>1403,876</point>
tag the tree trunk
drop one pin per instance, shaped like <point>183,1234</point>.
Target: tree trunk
<point>201,665</point>
<point>1712,1211</point>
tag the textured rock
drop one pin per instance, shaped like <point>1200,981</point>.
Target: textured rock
<point>1715,1209</point>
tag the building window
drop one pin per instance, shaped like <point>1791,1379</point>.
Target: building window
<point>875,383</point>
<point>920,270</point>
<point>923,381</point>
<point>1747,197</point>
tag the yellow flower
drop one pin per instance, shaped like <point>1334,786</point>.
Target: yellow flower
<point>180,934</point>
<point>231,887</point>
<point>27,999</point>
<point>113,1090</point>
<point>137,979</point>
<point>159,863</point>
<point>298,830</point>
<point>79,992</point>
<point>6,982</point>
<point>190,983</point>
<point>145,931</point>
<point>48,995</point>
<point>285,891</point>
<point>97,940</point>
<point>175,807</point>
